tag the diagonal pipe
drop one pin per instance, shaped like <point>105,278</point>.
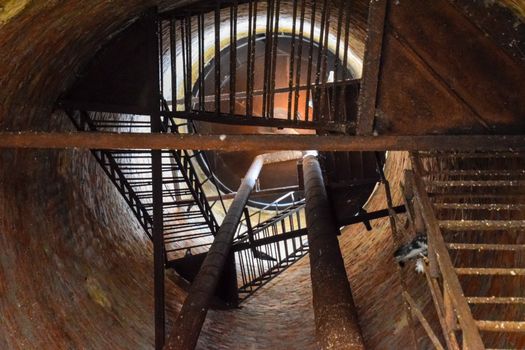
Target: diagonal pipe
<point>193,313</point>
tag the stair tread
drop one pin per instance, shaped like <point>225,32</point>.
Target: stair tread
<point>496,300</point>
<point>485,246</point>
<point>501,326</point>
<point>476,183</point>
<point>490,271</point>
<point>437,154</point>
<point>481,224</point>
<point>480,206</point>
<point>477,195</point>
<point>482,172</point>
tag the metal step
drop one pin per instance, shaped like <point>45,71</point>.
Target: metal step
<point>501,326</point>
<point>481,225</point>
<point>479,206</point>
<point>476,183</point>
<point>483,185</point>
<point>483,247</point>
<point>463,155</point>
<point>496,300</point>
<point>480,271</point>
<point>477,172</point>
<point>478,196</point>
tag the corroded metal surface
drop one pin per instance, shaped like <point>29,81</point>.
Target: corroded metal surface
<point>271,142</point>
<point>73,269</point>
<point>336,321</point>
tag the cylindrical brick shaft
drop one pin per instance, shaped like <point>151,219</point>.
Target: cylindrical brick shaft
<point>193,313</point>
<point>334,310</point>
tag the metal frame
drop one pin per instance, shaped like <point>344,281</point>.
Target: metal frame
<point>180,46</point>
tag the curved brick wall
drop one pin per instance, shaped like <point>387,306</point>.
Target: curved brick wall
<point>75,267</point>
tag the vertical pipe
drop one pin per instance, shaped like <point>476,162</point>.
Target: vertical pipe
<point>201,61</point>
<point>184,62</point>
<point>267,57</point>
<point>218,57</point>
<point>299,60</point>
<point>292,61</point>
<point>158,238</point>
<point>344,116</point>
<point>274,58</point>
<point>334,310</point>
<point>324,75</point>
<point>335,105</point>
<point>173,51</point>
<point>161,58</point>
<point>322,46</point>
<point>252,59</point>
<point>347,39</point>
<point>310,61</point>
<point>189,62</point>
<point>248,58</point>
<point>233,54</point>
<point>159,257</point>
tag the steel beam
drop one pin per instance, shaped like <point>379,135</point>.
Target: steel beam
<point>247,120</point>
<point>99,140</point>
<point>334,310</point>
<point>302,232</point>
<point>159,255</point>
<point>371,68</point>
<point>158,240</point>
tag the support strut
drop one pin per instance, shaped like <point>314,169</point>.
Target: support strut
<point>334,310</point>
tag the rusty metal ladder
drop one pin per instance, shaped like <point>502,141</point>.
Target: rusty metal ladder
<point>472,207</point>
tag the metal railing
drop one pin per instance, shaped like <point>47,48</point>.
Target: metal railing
<point>269,247</point>
<point>189,221</point>
<point>243,81</point>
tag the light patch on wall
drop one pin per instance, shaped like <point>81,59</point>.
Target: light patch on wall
<point>10,8</point>
<point>96,293</point>
<point>518,6</point>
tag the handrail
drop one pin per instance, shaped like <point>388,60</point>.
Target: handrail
<point>437,249</point>
<point>275,205</point>
<point>241,237</point>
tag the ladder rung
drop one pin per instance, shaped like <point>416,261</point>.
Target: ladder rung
<point>477,196</point>
<point>490,271</point>
<point>496,300</point>
<point>479,172</point>
<point>477,183</point>
<point>501,326</point>
<point>471,155</point>
<point>482,246</point>
<point>480,206</point>
<point>458,225</point>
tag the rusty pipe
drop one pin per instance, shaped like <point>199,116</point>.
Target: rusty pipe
<point>334,310</point>
<point>189,322</point>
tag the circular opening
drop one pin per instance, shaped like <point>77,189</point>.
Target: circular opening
<point>229,167</point>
